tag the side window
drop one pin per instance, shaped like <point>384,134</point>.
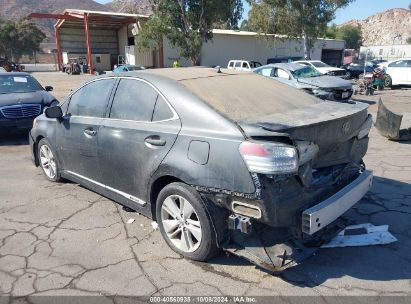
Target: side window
<point>91,100</point>
<point>245,65</point>
<point>162,110</point>
<point>266,72</point>
<point>134,100</point>
<point>231,64</point>
<point>282,74</point>
<point>238,64</point>
<point>409,63</point>
<point>398,64</point>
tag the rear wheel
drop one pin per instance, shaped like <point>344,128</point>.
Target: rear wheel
<point>48,161</point>
<point>388,81</point>
<point>185,223</point>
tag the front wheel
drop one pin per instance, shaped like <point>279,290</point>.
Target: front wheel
<point>184,222</point>
<point>48,161</point>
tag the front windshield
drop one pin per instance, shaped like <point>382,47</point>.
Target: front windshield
<point>319,64</point>
<point>305,72</point>
<point>18,84</point>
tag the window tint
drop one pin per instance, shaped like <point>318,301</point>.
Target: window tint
<point>398,64</point>
<point>238,64</point>
<point>134,100</point>
<point>245,65</point>
<point>91,100</point>
<point>266,72</point>
<point>162,111</point>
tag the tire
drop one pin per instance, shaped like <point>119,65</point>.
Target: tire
<point>388,81</point>
<point>191,235</point>
<point>48,161</point>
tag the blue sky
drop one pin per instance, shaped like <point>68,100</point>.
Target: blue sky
<point>359,9</point>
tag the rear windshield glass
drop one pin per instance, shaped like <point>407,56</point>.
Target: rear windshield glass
<point>18,84</point>
<point>247,95</point>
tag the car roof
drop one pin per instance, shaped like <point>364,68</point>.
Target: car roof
<point>237,95</point>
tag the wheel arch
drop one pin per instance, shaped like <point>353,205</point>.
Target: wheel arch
<point>35,149</point>
<point>156,186</point>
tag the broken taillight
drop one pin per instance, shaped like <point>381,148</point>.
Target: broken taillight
<point>269,158</point>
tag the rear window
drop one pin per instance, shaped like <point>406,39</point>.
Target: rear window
<point>247,95</point>
<point>134,100</point>
<point>398,64</point>
<point>161,110</point>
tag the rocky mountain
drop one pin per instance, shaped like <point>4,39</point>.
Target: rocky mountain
<point>17,9</point>
<point>142,7</point>
<point>382,28</point>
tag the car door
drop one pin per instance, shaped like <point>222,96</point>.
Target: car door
<point>408,71</point>
<point>398,71</point>
<point>78,133</point>
<point>136,136</point>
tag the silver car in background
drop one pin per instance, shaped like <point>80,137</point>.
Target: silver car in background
<point>308,79</point>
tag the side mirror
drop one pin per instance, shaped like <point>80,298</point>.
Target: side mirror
<point>54,112</point>
<point>49,88</point>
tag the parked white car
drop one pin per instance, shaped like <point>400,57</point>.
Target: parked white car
<point>399,72</point>
<point>323,68</point>
<point>243,65</point>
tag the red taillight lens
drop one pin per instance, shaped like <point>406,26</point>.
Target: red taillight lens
<point>269,158</point>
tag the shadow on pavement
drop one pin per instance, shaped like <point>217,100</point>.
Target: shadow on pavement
<point>15,139</point>
<point>388,203</point>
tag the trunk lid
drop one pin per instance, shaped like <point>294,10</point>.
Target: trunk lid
<point>323,123</point>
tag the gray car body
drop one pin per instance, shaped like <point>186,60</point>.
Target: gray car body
<point>321,82</point>
<point>202,148</point>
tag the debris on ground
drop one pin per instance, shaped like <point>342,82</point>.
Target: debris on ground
<point>130,221</point>
<point>361,235</point>
<point>154,225</point>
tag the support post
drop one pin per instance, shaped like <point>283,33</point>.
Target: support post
<point>58,45</point>
<point>161,55</point>
<point>88,44</point>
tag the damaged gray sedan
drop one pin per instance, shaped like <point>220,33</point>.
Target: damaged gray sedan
<point>220,159</point>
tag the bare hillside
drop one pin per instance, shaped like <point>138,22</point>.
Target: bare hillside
<point>381,28</point>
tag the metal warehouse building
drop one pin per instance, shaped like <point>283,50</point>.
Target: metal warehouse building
<point>105,39</point>
<point>230,44</point>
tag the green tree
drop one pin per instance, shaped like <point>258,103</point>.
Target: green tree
<point>331,32</point>
<point>187,24</point>
<point>19,37</point>
<point>305,19</point>
<point>352,36</point>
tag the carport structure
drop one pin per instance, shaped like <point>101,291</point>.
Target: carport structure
<point>90,32</point>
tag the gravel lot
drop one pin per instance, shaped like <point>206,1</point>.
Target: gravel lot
<point>62,239</point>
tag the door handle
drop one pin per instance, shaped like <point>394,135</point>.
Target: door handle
<point>90,132</point>
<point>155,140</point>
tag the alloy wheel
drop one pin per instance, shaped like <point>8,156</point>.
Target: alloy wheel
<point>48,163</point>
<point>181,223</point>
